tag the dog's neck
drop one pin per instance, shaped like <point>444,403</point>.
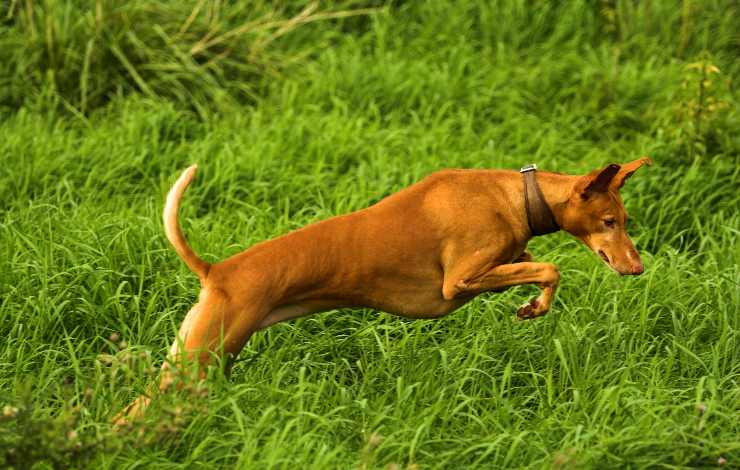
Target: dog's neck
<point>556,190</point>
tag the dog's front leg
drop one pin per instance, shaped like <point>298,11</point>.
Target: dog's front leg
<point>473,282</point>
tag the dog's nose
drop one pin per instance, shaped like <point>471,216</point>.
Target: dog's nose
<point>638,269</point>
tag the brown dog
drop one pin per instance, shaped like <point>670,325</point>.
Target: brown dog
<point>420,253</point>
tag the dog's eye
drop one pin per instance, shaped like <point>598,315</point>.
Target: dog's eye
<point>610,223</point>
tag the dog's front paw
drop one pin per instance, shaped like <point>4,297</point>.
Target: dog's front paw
<point>531,309</point>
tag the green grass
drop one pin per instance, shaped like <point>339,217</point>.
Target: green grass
<point>613,377</point>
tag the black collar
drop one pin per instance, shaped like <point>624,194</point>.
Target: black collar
<point>539,216</point>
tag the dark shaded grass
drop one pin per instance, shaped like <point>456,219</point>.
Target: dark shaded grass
<point>77,56</point>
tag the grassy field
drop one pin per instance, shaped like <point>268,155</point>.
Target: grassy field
<point>622,373</point>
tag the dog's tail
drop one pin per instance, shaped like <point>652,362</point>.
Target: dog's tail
<point>172,227</point>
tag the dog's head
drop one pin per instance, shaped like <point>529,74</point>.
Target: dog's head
<point>595,215</point>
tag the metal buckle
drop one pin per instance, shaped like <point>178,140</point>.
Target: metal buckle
<point>526,168</point>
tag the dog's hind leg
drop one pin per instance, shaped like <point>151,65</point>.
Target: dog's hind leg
<point>215,328</point>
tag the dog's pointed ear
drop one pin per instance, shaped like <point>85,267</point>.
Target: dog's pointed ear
<point>597,181</point>
<point>627,170</point>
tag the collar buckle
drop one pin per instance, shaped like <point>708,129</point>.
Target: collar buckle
<point>527,168</point>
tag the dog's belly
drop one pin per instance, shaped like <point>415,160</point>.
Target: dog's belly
<point>414,308</point>
<point>417,308</point>
<point>410,303</point>
<point>297,310</point>
<point>423,300</point>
